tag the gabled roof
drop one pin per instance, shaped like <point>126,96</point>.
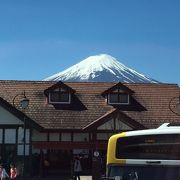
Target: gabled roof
<point>113,113</point>
<point>19,114</point>
<point>118,86</point>
<point>134,104</point>
<point>153,97</point>
<point>59,84</point>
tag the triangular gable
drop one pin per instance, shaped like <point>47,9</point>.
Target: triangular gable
<point>115,124</point>
<point>114,114</point>
<point>8,118</point>
<point>58,85</point>
<point>119,87</point>
<point>20,115</point>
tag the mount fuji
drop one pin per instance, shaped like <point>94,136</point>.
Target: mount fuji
<point>100,68</point>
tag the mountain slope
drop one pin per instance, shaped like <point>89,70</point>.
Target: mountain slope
<point>100,68</point>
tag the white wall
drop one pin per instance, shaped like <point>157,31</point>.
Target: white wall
<point>38,136</point>
<point>103,136</point>
<point>114,125</point>
<point>121,125</point>
<point>109,125</point>
<point>7,118</point>
<point>54,137</point>
<point>80,137</point>
<point>66,137</point>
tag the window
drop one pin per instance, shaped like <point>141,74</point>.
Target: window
<point>54,137</point>
<point>20,149</point>
<point>59,93</point>
<point>39,136</point>
<point>58,97</point>
<point>160,146</point>
<point>20,141</point>
<point>118,98</point>
<point>10,136</point>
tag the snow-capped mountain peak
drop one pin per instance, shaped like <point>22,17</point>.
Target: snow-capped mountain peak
<point>100,68</point>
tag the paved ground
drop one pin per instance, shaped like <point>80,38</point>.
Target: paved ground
<point>63,178</point>
<point>68,178</point>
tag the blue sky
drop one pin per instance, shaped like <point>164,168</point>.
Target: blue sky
<point>39,38</point>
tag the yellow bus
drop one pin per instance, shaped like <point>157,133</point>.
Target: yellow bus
<point>152,154</point>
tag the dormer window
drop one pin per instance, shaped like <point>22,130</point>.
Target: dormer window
<point>59,96</point>
<point>118,94</point>
<point>59,93</point>
<point>118,98</point>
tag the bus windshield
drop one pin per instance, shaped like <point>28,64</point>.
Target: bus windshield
<point>159,146</point>
<point>144,172</point>
<point>152,154</point>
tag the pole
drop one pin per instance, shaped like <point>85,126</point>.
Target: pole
<point>24,149</point>
<point>24,104</point>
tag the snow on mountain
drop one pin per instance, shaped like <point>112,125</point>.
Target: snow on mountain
<point>100,68</point>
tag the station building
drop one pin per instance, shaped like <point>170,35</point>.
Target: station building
<point>65,119</point>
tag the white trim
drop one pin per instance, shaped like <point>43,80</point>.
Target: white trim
<point>164,130</point>
<point>7,118</point>
<point>152,162</point>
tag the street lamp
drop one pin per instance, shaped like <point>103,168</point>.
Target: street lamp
<point>24,102</point>
<point>177,106</point>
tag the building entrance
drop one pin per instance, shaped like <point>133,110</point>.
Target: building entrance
<point>7,153</point>
<point>61,162</point>
<point>60,156</point>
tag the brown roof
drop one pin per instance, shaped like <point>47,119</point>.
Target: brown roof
<point>89,105</point>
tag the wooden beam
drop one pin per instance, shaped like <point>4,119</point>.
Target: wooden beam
<point>70,145</point>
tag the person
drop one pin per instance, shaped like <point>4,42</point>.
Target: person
<point>46,167</point>
<point>77,168</point>
<point>3,173</point>
<point>13,172</point>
